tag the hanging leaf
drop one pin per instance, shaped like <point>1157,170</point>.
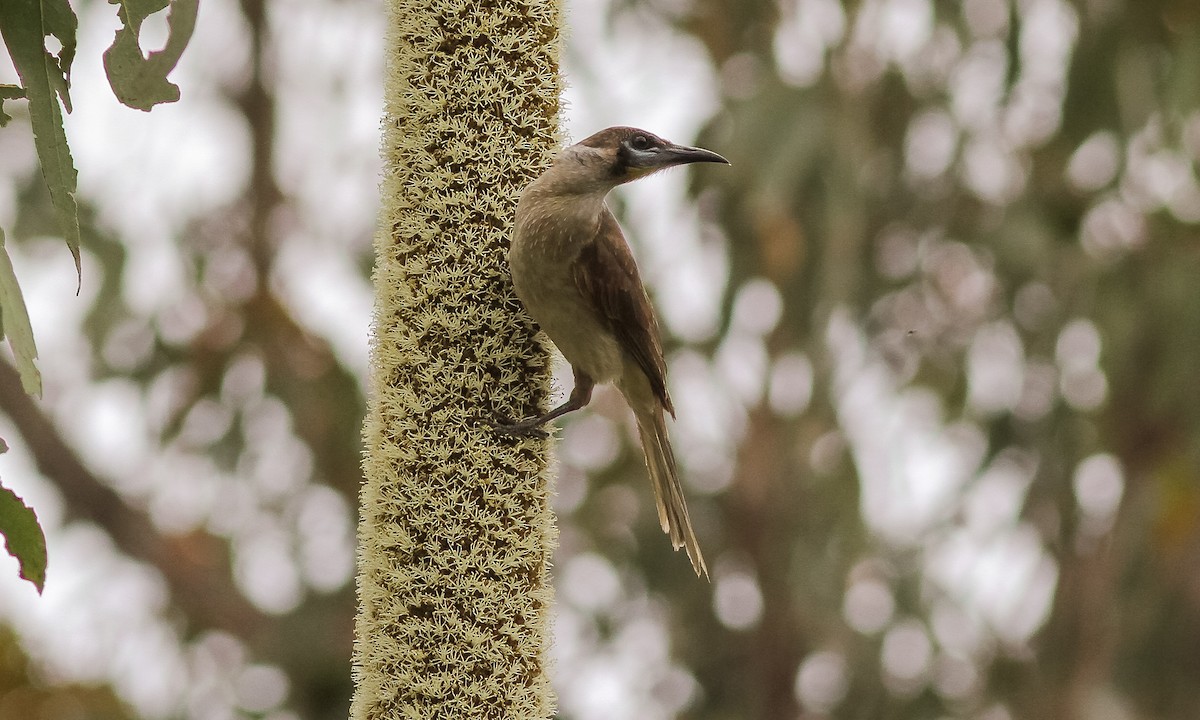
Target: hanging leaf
<point>137,80</point>
<point>14,323</point>
<point>23,537</point>
<point>46,77</point>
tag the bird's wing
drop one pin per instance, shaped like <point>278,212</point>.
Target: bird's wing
<point>607,278</point>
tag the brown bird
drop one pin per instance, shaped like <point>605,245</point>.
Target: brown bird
<point>573,269</point>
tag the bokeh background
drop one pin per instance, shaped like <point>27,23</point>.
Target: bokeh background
<point>934,340</point>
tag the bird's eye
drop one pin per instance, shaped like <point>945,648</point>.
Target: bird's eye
<point>640,142</point>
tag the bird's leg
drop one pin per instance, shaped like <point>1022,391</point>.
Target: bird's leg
<point>581,395</point>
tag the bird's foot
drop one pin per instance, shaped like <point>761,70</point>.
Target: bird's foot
<point>525,428</point>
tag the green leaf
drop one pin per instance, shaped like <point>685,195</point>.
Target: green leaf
<point>25,25</point>
<point>9,92</point>
<point>14,323</point>
<point>139,81</point>
<point>23,536</point>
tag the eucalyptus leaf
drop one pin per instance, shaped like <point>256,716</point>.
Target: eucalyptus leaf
<point>14,319</point>
<point>46,79</point>
<point>137,80</point>
<point>23,536</point>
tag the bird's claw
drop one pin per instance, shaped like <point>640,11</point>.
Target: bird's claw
<point>504,426</point>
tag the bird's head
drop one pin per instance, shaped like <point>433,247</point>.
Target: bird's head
<point>622,154</point>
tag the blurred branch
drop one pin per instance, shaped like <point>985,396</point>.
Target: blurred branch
<point>195,566</point>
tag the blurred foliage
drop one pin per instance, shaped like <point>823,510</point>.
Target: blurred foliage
<point>978,222</point>
<point>40,37</point>
<point>180,355</point>
<point>23,694</point>
<point>890,183</point>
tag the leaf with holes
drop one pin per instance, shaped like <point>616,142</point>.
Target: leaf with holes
<point>138,80</point>
<point>45,79</point>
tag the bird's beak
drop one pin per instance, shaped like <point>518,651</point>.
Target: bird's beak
<point>673,155</point>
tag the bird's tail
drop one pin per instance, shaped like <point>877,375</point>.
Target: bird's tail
<point>664,477</point>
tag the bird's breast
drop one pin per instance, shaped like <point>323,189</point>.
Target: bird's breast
<point>541,258</point>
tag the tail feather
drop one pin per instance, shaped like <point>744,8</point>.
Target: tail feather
<point>664,478</point>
